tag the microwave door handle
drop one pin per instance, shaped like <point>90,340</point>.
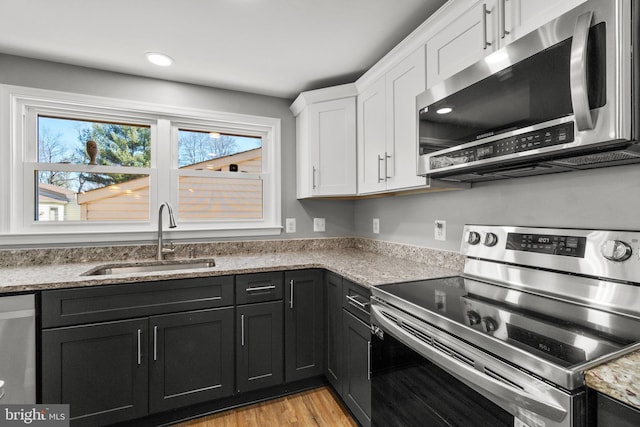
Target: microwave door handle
<point>578,72</point>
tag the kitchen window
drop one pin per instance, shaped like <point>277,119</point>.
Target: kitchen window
<point>90,169</point>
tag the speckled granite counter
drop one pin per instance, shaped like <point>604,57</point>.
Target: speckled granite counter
<point>619,378</point>
<point>361,262</point>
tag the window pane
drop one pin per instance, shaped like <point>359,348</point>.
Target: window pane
<point>65,141</point>
<point>78,196</point>
<point>218,152</point>
<point>202,198</point>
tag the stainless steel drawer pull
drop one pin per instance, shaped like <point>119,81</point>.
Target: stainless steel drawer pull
<point>354,302</point>
<point>292,287</point>
<point>503,24</point>
<point>261,288</point>
<point>369,360</point>
<point>380,159</point>
<point>242,330</point>
<point>139,346</point>
<point>155,343</point>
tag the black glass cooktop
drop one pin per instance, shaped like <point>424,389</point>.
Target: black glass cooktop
<point>507,317</point>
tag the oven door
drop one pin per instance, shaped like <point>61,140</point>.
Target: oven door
<point>423,376</point>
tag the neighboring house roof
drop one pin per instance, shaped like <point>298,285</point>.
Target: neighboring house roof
<point>54,193</point>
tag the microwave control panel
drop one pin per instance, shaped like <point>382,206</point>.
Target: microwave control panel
<point>556,135</point>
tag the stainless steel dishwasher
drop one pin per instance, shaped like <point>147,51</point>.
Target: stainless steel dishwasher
<point>17,349</point>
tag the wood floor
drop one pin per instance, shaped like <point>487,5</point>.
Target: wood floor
<point>311,408</point>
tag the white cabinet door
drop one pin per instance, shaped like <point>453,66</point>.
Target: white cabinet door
<point>466,39</point>
<point>524,16</point>
<point>404,82</point>
<point>332,137</point>
<point>372,138</point>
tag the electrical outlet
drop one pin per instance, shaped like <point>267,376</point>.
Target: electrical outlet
<point>376,225</point>
<point>290,225</point>
<point>318,225</point>
<point>440,230</point>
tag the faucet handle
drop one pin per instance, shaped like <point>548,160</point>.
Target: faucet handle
<point>171,249</point>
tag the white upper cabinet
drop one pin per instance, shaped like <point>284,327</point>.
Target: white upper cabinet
<point>387,125</point>
<point>474,29</point>
<point>326,142</point>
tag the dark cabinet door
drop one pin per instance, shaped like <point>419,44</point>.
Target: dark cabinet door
<point>303,320</point>
<point>190,358</point>
<point>333,331</point>
<point>100,370</point>
<point>259,344</point>
<point>357,369</point>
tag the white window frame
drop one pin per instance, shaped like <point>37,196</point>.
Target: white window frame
<point>19,109</point>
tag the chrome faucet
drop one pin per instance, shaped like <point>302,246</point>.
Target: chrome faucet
<point>172,224</point>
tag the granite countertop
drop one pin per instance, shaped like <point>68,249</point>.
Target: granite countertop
<point>367,263</point>
<point>619,378</point>
<point>363,267</point>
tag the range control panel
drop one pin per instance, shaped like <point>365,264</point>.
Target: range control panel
<point>600,253</point>
<point>547,244</point>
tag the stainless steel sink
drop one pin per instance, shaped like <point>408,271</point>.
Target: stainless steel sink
<point>150,267</point>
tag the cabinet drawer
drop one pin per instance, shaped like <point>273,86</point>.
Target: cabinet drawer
<point>355,299</point>
<point>259,287</point>
<point>113,302</point>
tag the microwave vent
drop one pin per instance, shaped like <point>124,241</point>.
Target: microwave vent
<point>606,157</point>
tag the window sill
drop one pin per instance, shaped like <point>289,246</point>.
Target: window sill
<point>25,240</point>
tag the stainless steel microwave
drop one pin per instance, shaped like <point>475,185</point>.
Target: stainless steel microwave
<point>561,98</point>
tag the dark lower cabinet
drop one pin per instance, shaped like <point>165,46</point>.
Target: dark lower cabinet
<point>190,358</point>
<point>101,370</point>
<point>613,413</point>
<point>259,346</point>
<point>333,331</point>
<point>303,319</point>
<point>356,388</point>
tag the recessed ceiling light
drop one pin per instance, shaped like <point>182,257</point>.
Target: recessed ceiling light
<point>160,59</point>
<point>444,110</point>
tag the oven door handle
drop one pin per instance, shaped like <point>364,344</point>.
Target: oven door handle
<point>479,381</point>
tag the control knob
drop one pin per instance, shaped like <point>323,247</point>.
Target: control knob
<point>474,317</point>
<point>489,323</point>
<point>490,239</point>
<point>616,250</point>
<point>473,238</point>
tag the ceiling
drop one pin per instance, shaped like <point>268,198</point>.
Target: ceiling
<point>270,47</point>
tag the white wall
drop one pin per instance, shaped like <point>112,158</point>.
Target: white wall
<point>607,198</point>
<point>62,77</point>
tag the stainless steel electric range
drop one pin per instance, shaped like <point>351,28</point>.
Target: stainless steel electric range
<point>507,342</point>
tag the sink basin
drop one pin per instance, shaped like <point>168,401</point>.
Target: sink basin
<point>150,267</point>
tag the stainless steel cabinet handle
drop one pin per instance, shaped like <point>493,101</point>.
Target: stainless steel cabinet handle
<point>261,288</point>
<point>485,12</point>
<point>313,177</point>
<point>354,302</point>
<point>503,24</point>
<point>369,360</point>
<point>242,330</point>
<point>155,343</point>
<point>139,346</point>
<point>578,72</point>
<point>379,160</point>
<point>292,287</point>
<point>386,166</point>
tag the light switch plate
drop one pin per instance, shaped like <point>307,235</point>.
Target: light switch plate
<point>318,225</point>
<point>290,225</point>
<point>440,230</point>
<point>376,225</point>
